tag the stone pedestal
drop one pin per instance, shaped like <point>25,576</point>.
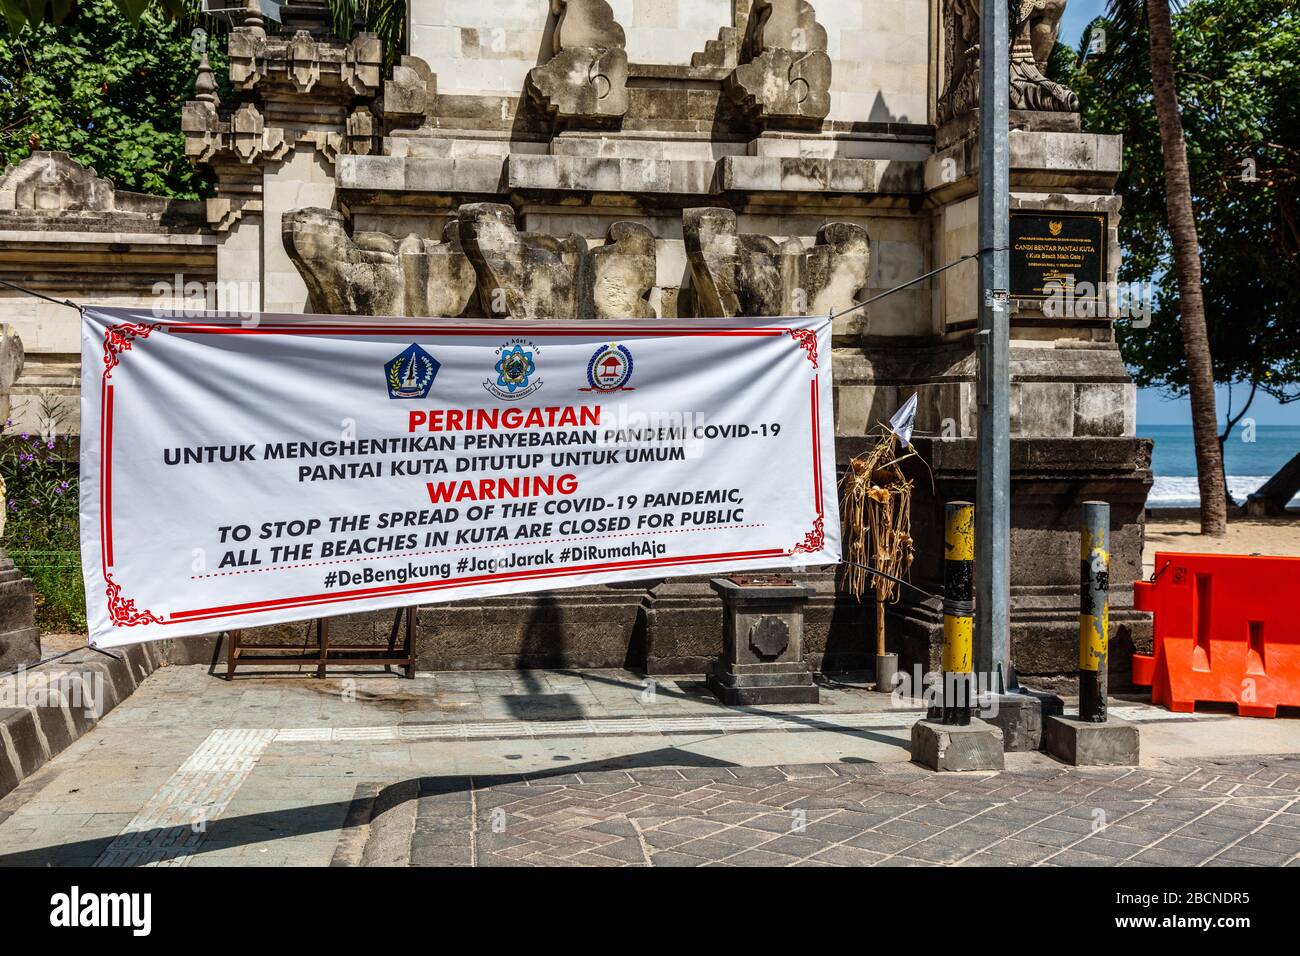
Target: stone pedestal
<point>967,126</point>
<point>762,636</point>
<point>1020,717</point>
<point>678,629</point>
<point>20,642</point>
<point>947,747</point>
<point>1086,744</point>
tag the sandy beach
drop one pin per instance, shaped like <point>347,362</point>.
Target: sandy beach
<point>1177,529</point>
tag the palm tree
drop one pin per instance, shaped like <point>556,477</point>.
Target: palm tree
<point>1128,19</point>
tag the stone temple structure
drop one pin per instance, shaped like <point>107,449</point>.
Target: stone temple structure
<point>601,159</point>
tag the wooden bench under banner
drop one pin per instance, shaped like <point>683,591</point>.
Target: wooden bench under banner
<point>326,653</point>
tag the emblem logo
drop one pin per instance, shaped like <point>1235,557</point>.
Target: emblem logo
<point>609,370</point>
<point>1054,227</point>
<point>411,373</point>
<point>515,368</point>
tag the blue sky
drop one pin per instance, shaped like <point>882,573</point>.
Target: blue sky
<point>1078,14</point>
<point>1153,408</point>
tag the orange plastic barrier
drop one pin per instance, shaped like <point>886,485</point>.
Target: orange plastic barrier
<point>1226,629</point>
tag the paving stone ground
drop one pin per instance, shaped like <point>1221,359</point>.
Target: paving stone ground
<point>1229,812</point>
<point>599,768</point>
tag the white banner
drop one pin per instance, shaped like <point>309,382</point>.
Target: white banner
<point>237,472</point>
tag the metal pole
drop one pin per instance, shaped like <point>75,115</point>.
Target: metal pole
<point>993,478</point>
<point>958,559</point>
<point>1094,610</point>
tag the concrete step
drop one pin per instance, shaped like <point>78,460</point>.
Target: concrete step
<point>49,706</point>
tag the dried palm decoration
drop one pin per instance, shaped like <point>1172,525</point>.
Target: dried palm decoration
<point>876,511</point>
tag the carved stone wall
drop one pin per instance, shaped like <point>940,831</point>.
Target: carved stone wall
<point>48,187</point>
<point>411,94</point>
<point>486,265</point>
<point>266,71</point>
<point>51,182</point>
<point>263,67</point>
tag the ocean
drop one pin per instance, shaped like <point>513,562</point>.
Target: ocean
<point>1248,464</point>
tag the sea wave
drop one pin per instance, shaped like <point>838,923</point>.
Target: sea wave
<point>1183,492</point>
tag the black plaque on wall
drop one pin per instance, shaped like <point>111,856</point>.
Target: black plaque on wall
<point>1065,248</point>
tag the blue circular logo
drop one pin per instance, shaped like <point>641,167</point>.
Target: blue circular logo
<point>610,369</point>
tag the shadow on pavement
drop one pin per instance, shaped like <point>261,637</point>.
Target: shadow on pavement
<point>229,832</point>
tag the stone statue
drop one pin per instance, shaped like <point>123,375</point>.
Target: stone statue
<point>835,270</point>
<point>731,274</point>
<point>784,74</point>
<point>12,358</point>
<point>20,641</point>
<point>374,273</point>
<point>520,275</point>
<point>1034,27</point>
<point>961,31</point>
<point>584,84</point>
<point>620,274</point>
<point>752,275</point>
<point>485,265</point>
<point>529,275</point>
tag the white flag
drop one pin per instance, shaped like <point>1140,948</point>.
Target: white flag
<point>903,421</point>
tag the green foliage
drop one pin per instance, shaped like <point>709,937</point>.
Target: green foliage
<point>16,14</point>
<point>108,93</point>
<point>105,80</point>
<point>40,475</point>
<point>384,18</point>
<point>1237,66</point>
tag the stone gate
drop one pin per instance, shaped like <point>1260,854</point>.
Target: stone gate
<point>658,158</point>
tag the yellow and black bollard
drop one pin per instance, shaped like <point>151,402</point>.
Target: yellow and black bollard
<point>1094,610</point>
<point>954,739</point>
<point>958,611</point>
<point>1096,738</point>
